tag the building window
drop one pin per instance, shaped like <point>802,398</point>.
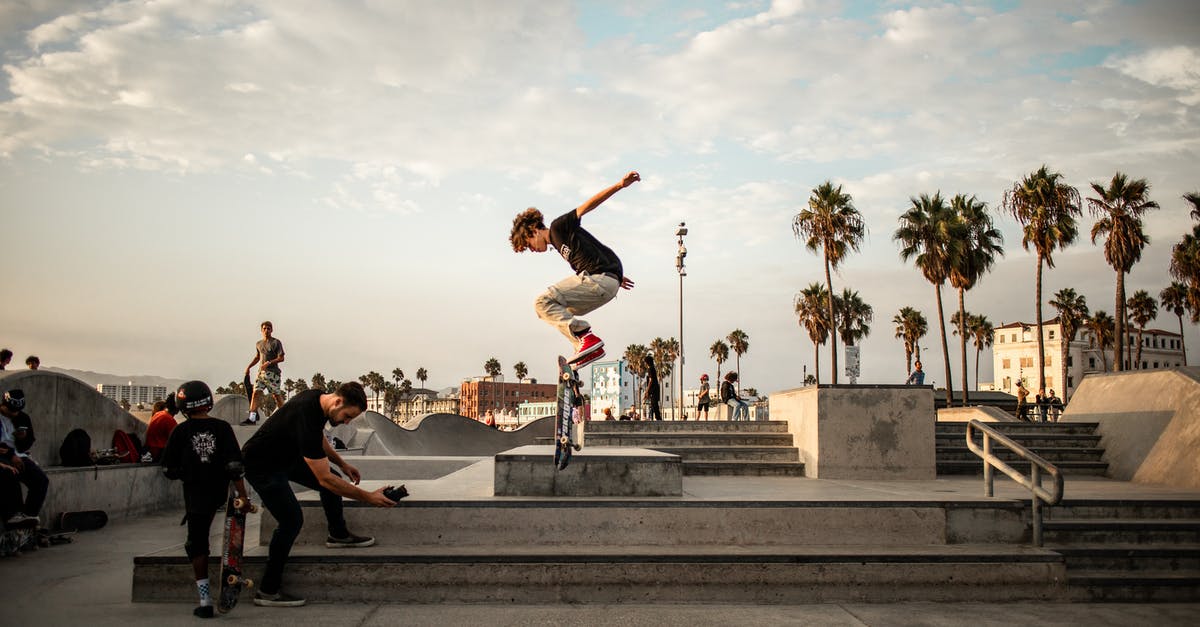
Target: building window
<point>1156,364</point>
<point>1049,382</point>
<point>1014,337</point>
<point>1006,363</point>
<point>1026,362</point>
<point>1047,361</point>
<point>1070,382</point>
<point>1001,336</point>
<point>1092,363</point>
<point>1051,334</point>
<point>1070,361</point>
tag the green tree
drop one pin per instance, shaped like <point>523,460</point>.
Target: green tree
<point>832,225</point>
<point>1193,199</point>
<point>521,370</point>
<point>492,367</point>
<point>854,317</point>
<point>1185,266</point>
<point>422,376</point>
<point>1072,314</point>
<point>318,381</point>
<point>397,375</point>
<point>1120,208</point>
<point>719,351</point>
<point>1142,309</point>
<point>635,356</point>
<point>931,235</point>
<point>812,311</point>
<point>1174,299</point>
<point>1100,324</point>
<point>982,334</point>
<point>739,343</point>
<point>1047,208</point>
<point>975,258</point>
<point>911,326</point>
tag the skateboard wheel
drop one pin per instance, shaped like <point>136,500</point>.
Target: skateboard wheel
<point>238,503</point>
<point>232,579</point>
<point>566,376</point>
<point>249,583</point>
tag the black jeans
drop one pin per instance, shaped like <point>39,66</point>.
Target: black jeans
<point>36,483</point>
<point>277,496</point>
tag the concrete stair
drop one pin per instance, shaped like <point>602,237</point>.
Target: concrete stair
<point>1073,447</point>
<point>708,448</point>
<point>1128,550</point>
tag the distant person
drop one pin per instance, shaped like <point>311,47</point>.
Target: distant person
<point>917,376</point>
<point>162,423</point>
<point>1056,406</point>
<point>15,440</point>
<point>5,358</point>
<point>33,362</point>
<point>203,453</point>
<point>598,271</point>
<point>1043,404</point>
<point>608,414</point>
<point>652,390</point>
<point>1022,396</point>
<point>704,399</point>
<point>268,354</point>
<point>489,419</point>
<point>738,409</point>
<point>289,447</point>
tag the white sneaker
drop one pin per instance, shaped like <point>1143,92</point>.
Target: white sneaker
<point>20,518</point>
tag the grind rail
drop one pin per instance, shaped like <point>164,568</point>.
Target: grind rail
<point>1033,482</point>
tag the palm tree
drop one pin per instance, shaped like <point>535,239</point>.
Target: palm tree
<point>289,386</point>
<point>812,313</point>
<point>832,225</point>
<point>318,381</point>
<point>635,356</point>
<point>1185,266</point>
<point>1101,327</point>
<point>520,369</point>
<point>982,333</point>
<point>1120,207</point>
<point>931,235</point>
<point>1174,299</point>
<point>1193,199</point>
<point>854,319</point>
<point>300,385</point>
<point>1046,207</point>
<point>982,245</point>
<point>492,367</point>
<point>1072,313</point>
<point>660,352</point>
<point>719,351</point>
<point>422,376</point>
<point>739,343</point>
<point>397,375</point>
<point>1142,309</point>
<point>911,326</point>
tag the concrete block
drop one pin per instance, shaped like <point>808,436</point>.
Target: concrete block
<point>594,471</point>
<point>123,491</point>
<point>862,431</point>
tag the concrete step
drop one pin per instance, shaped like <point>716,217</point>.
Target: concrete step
<point>1031,441</point>
<point>1141,531</point>
<point>976,467</point>
<point>656,440</point>
<point>1143,586</point>
<point>743,469</point>
<point>1052,454</point>
<point>733,453</point>
<point>1177,558</point>
<point>531,574</point>
<point>1023,428</point>
<point>1159,509</point>
<point>696,426</point>
<point>665,521</point>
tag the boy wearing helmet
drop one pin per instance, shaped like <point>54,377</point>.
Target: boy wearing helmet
<point>598,271</point>
<point>202,452</point>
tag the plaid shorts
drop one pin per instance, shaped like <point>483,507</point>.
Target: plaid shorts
<point>269,382</point>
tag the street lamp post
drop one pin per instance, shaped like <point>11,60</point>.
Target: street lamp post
<point>682,273</point>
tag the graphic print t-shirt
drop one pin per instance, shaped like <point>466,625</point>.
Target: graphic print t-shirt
<point>268,350</point>
<point>294,431</point>
<point>581,249</point>
<point>201,448</point>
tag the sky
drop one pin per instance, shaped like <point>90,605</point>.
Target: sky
<point>174,172</point>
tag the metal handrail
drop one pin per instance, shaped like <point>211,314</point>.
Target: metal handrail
<point>1033,482</point>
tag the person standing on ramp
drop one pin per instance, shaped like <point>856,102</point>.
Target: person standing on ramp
<point>598,271</point>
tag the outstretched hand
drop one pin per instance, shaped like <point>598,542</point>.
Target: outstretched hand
<point>626,283</point>
<point>630,179</point>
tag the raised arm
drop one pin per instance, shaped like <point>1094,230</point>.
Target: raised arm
<point>607,193</point>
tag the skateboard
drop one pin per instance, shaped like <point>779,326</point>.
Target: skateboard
<point>249,385</point>
<point>569,402</point>
<point>82,521</point>
<point>232,581</point>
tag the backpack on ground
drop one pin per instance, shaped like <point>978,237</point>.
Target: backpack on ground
<point>127,452</point>
<point>76,449</point>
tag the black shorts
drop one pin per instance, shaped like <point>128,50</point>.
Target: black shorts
<point>702,406</point>
<point>201,504</point>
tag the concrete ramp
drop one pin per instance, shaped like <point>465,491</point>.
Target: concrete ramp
<point>437,434</point>
<point>58,403</point>
<point>1149,421</point>
<point>231,408</point>
<point>982,413</point>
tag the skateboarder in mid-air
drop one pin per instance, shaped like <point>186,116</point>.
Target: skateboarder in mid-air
<point>204,454</point>
<point>598,271</point>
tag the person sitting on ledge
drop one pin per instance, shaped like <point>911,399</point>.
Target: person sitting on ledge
<point>16,437</point>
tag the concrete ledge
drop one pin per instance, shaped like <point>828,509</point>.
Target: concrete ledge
<point>600,471</point>
<point>123,491</point>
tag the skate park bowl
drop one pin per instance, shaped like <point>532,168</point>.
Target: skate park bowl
<point>436,435</point>
<point>1149,422</point>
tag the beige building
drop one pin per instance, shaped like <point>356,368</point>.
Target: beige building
<point>1014,356</point>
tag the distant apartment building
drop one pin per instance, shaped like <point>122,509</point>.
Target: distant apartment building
<point>479,394</point>
<point>419,402</point>
<point>135,394</point>
<point>1014,356</point>
<point>612,388</point>
<point>530,411</point>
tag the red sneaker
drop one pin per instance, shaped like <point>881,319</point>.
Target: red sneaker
<point>589,345</point>
<point>587,359</point>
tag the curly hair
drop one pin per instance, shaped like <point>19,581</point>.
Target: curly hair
<point>525,225</point>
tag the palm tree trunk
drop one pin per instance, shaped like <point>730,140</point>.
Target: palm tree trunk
<point>937,290</point>
<point>1137,362</point>
<point>917,349</point>
<point>1181,344</point>
<point>962,342</point>
<point>1041,356</point>
<point>817,360</point>
<point>978,349</point>
<point>832,321</point>
<point>1119,342</point>
<point>907,358</point>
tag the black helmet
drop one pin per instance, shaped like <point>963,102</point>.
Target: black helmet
<point>193,396</point>
<point>14,400</point>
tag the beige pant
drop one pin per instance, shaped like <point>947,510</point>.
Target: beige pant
<point>575,296</point>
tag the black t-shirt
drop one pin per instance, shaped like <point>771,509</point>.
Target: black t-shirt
<point>581,249</point>
<point>199,450</point>
<point>294,431</point>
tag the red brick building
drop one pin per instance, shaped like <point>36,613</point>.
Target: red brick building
<point>479,395</point>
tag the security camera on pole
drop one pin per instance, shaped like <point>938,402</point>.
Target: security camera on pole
<point>682,273</point>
